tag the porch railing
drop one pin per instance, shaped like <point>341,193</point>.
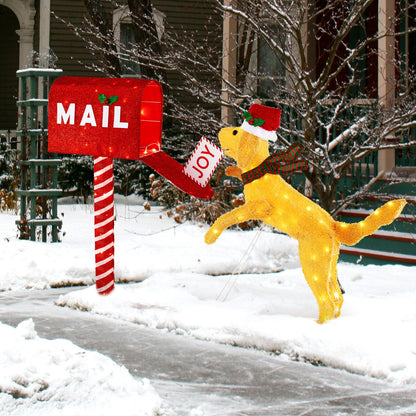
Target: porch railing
<point>367,168</point>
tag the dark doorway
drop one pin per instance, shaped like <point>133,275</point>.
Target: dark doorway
<point>9,63</point>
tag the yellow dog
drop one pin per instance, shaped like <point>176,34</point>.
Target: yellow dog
<point>275,202</point>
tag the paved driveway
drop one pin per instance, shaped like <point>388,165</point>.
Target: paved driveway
<point>198,378</point>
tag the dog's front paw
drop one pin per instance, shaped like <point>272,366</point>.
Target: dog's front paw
<point>212,235</point>
<point>233,171</point>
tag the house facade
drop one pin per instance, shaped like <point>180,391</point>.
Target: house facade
<point>33,25</point>
<point>32,34</point>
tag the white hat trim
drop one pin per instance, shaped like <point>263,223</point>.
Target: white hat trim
<point>259,131</point>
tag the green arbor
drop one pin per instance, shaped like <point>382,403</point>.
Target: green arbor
<point>39,174</point>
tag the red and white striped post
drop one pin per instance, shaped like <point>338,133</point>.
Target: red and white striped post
<point>104,224</point>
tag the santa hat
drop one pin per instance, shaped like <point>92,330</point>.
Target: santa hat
<point>262,121</point>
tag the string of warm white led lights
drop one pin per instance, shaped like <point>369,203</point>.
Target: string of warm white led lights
<point>104,224</point>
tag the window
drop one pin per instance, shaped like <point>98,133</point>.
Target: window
<point>127,43</point>
<point>271,73</point>
<point>124,34</point>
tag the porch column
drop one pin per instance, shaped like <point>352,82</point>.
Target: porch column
<point>44,31</point>
<point>229,61</point>
<point>26,46</point>
<point>386,73</point>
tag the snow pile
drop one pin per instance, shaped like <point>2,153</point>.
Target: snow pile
<point>277,313</point>
<point>145,243</point>
<point>40,376</point>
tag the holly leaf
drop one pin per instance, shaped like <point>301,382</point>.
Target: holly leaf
<point>112,99</point>
<point>258,122</point>
<point>102,98</point>
<point>247,116</point>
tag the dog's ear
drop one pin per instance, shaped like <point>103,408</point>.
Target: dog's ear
<point>247,149</point>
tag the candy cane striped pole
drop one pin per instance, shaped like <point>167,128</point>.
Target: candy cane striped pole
<point>104,224</point>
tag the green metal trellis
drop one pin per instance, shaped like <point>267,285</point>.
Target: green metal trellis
<point>39,175</point>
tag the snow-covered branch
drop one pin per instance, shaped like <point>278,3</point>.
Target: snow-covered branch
<point>346,133</point>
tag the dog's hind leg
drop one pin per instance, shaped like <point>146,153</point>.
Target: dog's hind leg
<point>318,257</point>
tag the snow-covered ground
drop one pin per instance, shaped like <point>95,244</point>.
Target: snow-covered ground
<point>144,244</point>
<point>55,377</point>
<point>185,286</point>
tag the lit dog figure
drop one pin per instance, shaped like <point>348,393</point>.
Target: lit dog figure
<point>274,201</point>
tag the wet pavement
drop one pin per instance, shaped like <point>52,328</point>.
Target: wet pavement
<point>199,378</point>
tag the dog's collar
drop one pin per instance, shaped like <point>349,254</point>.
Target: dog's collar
<point>278,163</point>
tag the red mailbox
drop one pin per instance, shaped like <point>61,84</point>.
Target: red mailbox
<point>117,118</point>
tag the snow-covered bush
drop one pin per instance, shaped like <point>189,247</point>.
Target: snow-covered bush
<point>76,175</point>
<point>9,176</point>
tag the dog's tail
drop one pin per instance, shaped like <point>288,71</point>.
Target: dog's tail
<point>351,234</point>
